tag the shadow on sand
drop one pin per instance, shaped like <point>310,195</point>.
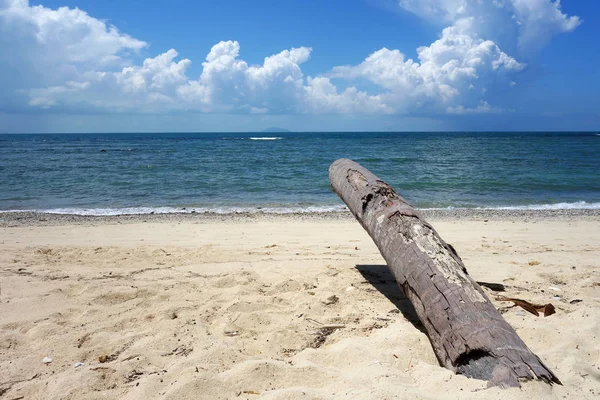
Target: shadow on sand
<point>382,279</point>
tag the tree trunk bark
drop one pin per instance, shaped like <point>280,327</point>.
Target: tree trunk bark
<point>468,334</point>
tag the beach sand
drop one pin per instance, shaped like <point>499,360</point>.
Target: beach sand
<point>232,307</point>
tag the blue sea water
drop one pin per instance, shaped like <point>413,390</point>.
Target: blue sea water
<point>285,172</point>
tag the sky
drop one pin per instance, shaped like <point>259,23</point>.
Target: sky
<point>302,65</point>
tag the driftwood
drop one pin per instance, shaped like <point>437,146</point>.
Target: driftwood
<point>468,334</point>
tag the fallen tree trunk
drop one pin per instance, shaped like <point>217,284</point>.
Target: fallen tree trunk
<point>468,334</point>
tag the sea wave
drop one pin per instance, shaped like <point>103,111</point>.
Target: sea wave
<point>189,210</point>
<point>265,138</point>
<point>284,209</point>
<point>578,205</point>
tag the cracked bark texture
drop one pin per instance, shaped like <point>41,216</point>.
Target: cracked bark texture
<point>468,334</point>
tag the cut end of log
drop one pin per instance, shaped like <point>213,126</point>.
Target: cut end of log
<point>480,364</point>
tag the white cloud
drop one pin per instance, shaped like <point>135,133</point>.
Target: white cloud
<point>149,87</point>
<point>157,73</point>
<point>46,47</point>
<point>528,24</point>
<point>447,72</point>
<point>443,10</point>
<point>321,96</point>
<point>66,59</point>
<point>482,108</point>
<point>255,110</point>
<point>227,83</point>
<point>539,20</point>
<point>455,72</point>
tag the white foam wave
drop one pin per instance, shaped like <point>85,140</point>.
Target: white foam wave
<point>265,138</point>
<point>291,209</point>
<point>578,205</point>
<point>189,210</point>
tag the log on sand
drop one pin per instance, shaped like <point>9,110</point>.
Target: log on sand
<point>467,333</point>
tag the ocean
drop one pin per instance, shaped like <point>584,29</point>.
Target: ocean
<point>108,174</point>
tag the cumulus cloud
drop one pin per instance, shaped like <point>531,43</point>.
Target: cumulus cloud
<point>528,24</point>
<point>151,86</point>
<point>46,46</point>
<point>482,108</point>
<point>455,68</point>
<point>227,83</point>
<point>321,96</point>
<point>66,59</point>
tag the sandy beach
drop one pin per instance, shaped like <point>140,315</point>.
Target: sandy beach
<point>237,306</point>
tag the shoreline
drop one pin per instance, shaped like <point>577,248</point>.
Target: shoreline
<point>33,218</point>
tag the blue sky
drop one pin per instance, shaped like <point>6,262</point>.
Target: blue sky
<point>123,66</point>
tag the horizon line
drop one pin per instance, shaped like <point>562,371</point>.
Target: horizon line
<point>290,131</point>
